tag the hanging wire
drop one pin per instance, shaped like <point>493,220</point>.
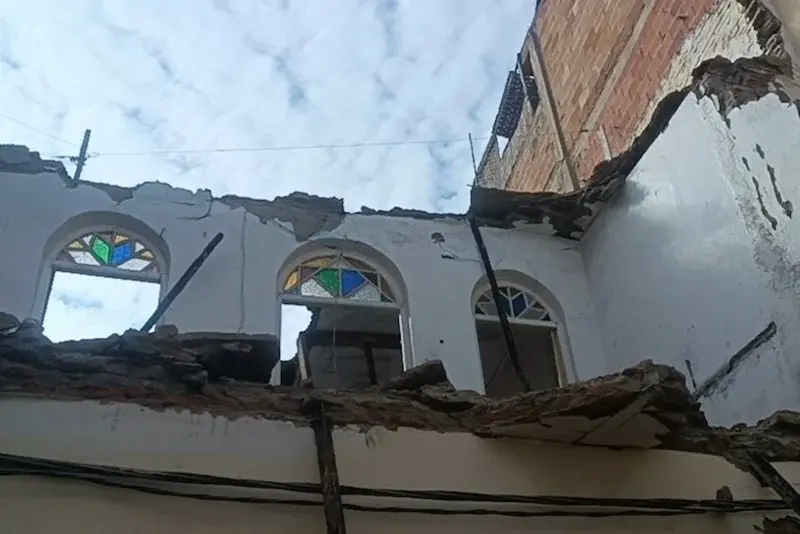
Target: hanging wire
<point>137,480</point>
<point>286,148</point>
<point>37,130</point>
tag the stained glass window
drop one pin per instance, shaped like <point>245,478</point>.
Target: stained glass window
<point>516,303</point>
<point>110,249</point>
<point>338,277</point>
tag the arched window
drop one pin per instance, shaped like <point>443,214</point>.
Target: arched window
<point>517,303</point>
<point>354,338</point>
<point>100,280</point>
<point>338,277</point>
<point>536,337</point>
<point>109,250</point>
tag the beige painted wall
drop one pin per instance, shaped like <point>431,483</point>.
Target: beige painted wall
<point>126,435</point>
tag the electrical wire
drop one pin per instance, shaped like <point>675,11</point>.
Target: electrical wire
<point>285,148</point>
<point>37,130</point>
<point>11,465</point>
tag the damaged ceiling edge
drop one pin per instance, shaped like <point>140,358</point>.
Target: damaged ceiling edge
<point>768,27</point>
<point>201,373</point>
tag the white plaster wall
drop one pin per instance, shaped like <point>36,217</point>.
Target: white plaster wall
<point>236,289</point>
<point>685,266</point>
<point>114,435</point>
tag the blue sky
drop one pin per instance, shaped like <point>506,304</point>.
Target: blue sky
<point>151,75</point>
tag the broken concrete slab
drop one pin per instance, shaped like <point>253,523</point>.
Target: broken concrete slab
<point>430,373</point>
<point>647,406</point>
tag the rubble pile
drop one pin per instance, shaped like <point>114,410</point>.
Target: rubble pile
<point>168,370</point>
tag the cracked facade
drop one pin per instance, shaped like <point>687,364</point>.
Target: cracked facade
<point>680,250</point>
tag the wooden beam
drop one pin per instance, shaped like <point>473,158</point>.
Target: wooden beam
<point>328,474</point>
<point>769,476</point>
<point>370,358</point>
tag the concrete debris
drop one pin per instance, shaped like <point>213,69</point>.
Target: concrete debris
<point>134,363</point>
<point>431,373</point>
<point>735,83</point>
<point>767,27</point>
<point>8,323</point>
<point>776,437</point>
<point>209,373</point>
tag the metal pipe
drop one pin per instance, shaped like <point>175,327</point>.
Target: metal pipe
<point>181,284</point>
<point>501,314</point>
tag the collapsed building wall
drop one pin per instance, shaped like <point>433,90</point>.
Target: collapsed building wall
<point>432,257</point>
<point>702,242</point>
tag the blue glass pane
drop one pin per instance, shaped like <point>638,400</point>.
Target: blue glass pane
<point>351,281</point>
<point>122,253</point>
<point>518,304</point>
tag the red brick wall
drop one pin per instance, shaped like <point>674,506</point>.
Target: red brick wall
<point>582,41</point>
<point>669,24</point>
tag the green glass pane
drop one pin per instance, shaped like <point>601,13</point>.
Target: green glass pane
<point>329,279</point>
<point>102,250</point>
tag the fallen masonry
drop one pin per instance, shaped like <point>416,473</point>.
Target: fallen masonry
<point>646,406</point>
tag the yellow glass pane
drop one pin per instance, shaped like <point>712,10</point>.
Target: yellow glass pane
<point>291,281</point>
<point>146,254</point>
<point>318,262</point>
<point>75,245</point>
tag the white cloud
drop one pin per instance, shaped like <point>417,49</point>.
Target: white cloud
<point>195,74</point>
<point>96,307</point>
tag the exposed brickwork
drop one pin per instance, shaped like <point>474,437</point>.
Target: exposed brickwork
<point>726,31</point>
<point>669,24</point>
<point>609,63</point>
<point>581,41</point>
<point>536,164</point>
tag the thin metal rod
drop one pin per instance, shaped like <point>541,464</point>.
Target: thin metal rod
<point>176,290</point>
<point>505,326</point>
<point>472,153</point>
<point>81,160</point>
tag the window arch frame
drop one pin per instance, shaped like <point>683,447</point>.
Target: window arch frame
<point>565,362</point>
<point>110,271</point>
<point>353,249</point>
<point>301,300</point>
<point>51,264</point>
<point>551,322</point>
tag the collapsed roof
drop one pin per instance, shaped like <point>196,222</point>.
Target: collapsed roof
<point>646,406</point>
